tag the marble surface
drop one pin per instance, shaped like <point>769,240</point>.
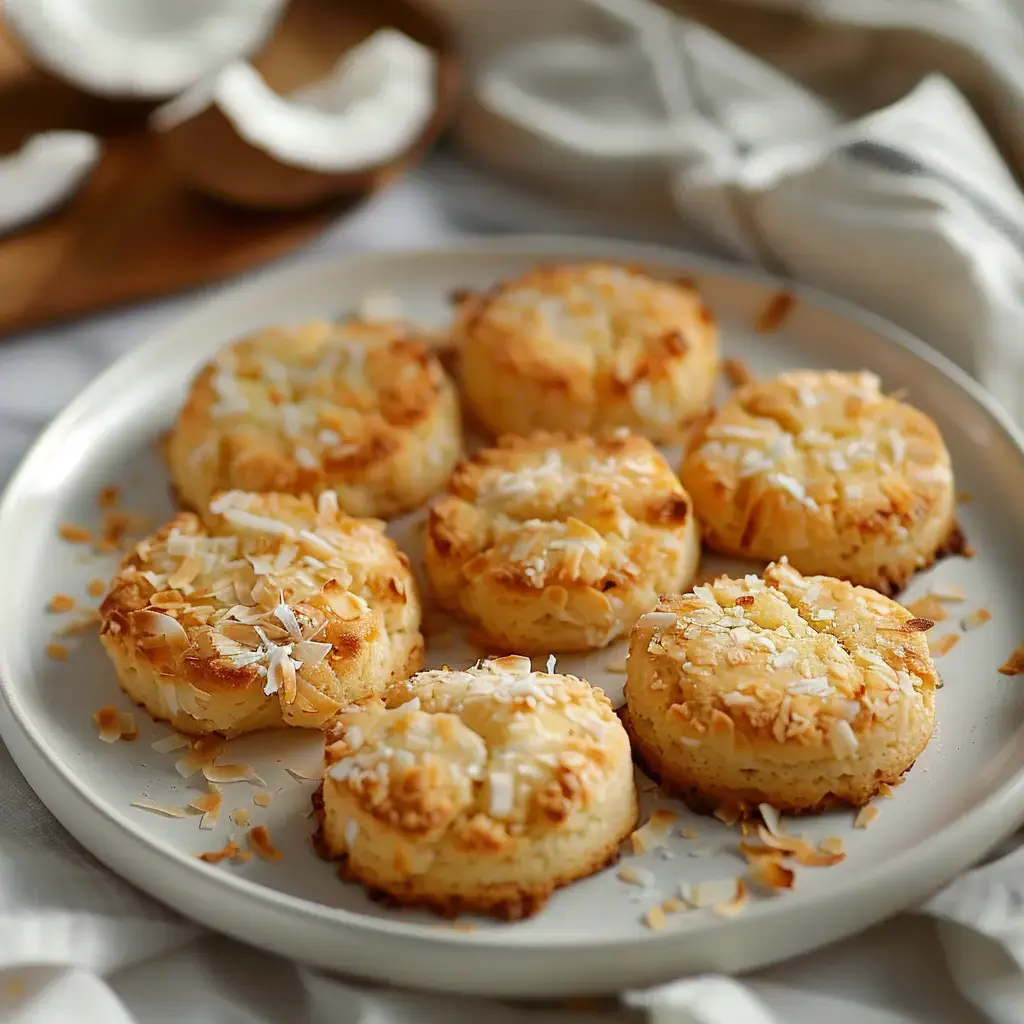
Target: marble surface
<point>895,972</point>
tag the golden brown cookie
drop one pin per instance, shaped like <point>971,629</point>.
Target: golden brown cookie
<point>824,469</point>
<point>587,346</point>
<point>281,612</point>
<point>362,408</point>
<point>558,543</point>
<point>482,790</point>
<point>795,691</point>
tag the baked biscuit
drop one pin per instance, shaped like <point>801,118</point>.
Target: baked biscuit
<point>280,612</point>
<point>558,543</point>
<point>588,346</point>
<point>481,790</point>
<point>800,692</point>
<point>826,470</point>
<point>362,408</point>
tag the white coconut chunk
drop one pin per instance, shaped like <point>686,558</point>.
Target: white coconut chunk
<point>144,49</point>
<point>372,106</point>
<point>311,652</point>
<point>842,739</point>
<point>327,501</point>
<point>502,786</point>
<point>287,618</point>
<point>47,170</point>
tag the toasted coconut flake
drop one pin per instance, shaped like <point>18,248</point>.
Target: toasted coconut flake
<point>754,851</point>
<point>162,625</point>
<point>674,906</point>
<point>281,676</point>
<point>169,743</point>
<point>732,907</point>
<point>208,803</point>
<point>262,799</point>
<point>108,724</point>
<point>831,844</point>
<point>287,618</point>
<point>655,919</point>
<point>240,816</point>
<point>637,876</point>
<point>306,774</point>
<point>662,818</point>
<point>775,313</point>
<point>225,773</point>
<point>940,645</point>
<point>772,819</point>
<point>229,852</point>
<point>771,874</point>
<point>690,833</point>
<point>737,373</point>
<point>640,841</point>
<point>729,813</point>
<point>186,572</point>
<point>97,587</point>
<point>948,592</point>
<point>311,652</point>
<point>865,816</point>
<point>61,603</point>
<point>975,619</point>
<point>129,731</point>
<point>203,754</point>
<point>928,607</point>
<point>259,840</point>
<point>1014,664</point>
<point>75,534</point>
<point>784,841</point>
<point>58,652</point>
<point>811,858</point>
<point>618,666</point>
<point>167,810</point>
<point>884,789</point>
<point>707,894</point>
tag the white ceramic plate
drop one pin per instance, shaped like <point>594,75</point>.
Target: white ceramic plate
<point>966,792</point>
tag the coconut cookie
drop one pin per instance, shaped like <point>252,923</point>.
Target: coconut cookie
<point>362,408</point>
<point>558,543</point>
<point>795,691</point>
<point>825,469</point>
<point>481,790</point>
<point>280,612</point>
<point>583,347</point>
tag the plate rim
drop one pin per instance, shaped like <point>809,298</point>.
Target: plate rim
<point>1004,804</point>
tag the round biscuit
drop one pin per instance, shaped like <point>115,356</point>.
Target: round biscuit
<point>279,612</point>
<point>558,543</point>
<point>361,407</point>
<point>800,692</point>
<point>585,347</point>
<point>822,468</point>
<point>479,790</point>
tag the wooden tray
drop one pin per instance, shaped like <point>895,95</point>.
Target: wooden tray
<point>135,231</point>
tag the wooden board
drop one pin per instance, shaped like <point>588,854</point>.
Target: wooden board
<point>135,230</point>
